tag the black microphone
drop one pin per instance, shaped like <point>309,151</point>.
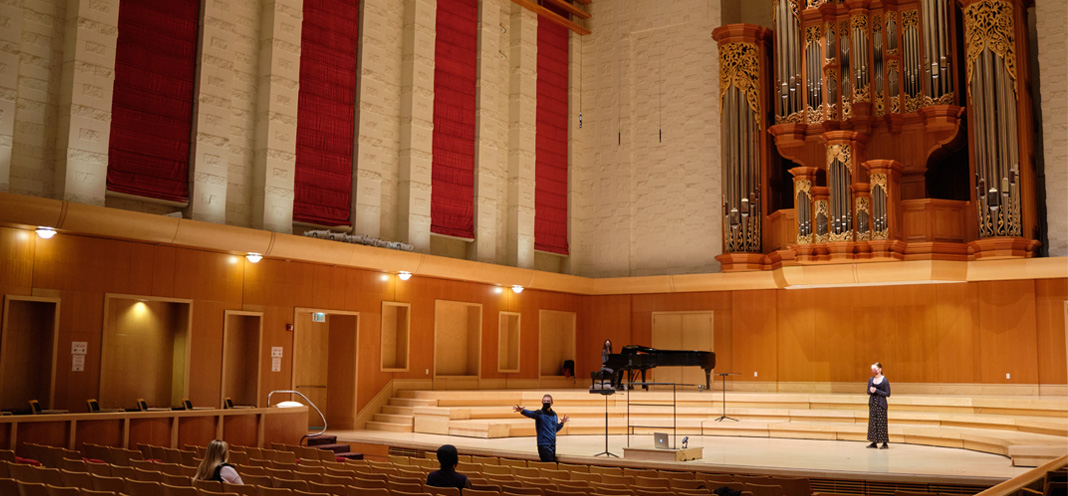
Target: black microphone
<point>687,438</point>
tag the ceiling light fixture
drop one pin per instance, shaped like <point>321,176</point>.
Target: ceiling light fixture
<point>46,232</point>
<point>404,275</point>
<point>517,289</point>
<point>254,257</point>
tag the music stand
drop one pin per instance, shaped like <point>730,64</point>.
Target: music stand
<point>606,393</point>
<point>723,386</point>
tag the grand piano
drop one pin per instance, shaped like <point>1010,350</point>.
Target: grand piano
<point>634,358</point>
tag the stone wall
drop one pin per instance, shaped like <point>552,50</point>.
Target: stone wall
<point>644,160</point>
<point>645,181</point>
<point>1051,16</point>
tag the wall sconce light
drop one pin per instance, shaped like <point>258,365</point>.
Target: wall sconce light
<point>498,290</point>
<point>517,289</point>
<point>404,275</point>
<point>45,232</point>
<point>254,257</point>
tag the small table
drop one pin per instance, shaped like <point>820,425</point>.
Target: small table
<point>664,455</point>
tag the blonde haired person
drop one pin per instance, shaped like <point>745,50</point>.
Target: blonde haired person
<point>878,392</point>
<point>214,466</point>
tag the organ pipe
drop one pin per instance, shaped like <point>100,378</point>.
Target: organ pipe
<point>839,181</point>
<point>741,111</point>
<point>789,89</point>
<point>829,57</point>
<point>938,75</point>
<point>992,88</point>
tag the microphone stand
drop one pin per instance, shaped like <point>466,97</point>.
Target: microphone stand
<point>723,386</point>
<point>606,393</point>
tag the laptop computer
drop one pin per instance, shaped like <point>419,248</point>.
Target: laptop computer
<point>660,440</point>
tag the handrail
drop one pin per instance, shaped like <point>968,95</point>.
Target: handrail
<point>310,403</point>
<point>1015,484</point>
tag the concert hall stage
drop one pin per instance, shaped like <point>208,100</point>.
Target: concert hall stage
<point>977,438</point>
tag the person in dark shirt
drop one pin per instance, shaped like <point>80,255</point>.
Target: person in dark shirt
<point>614,376</point>
<point>546,426</point>
<point>878,392</point>
<point>447,476</point>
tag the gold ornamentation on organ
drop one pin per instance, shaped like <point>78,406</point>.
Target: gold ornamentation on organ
<point>866,145</point>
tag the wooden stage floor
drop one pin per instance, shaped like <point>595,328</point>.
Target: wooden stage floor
<point>812,458</point>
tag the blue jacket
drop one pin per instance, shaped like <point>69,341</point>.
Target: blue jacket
<point>545,424</point>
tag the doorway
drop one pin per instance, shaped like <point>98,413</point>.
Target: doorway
<point>324,364</point>
<point>28,351</point>
<point>682,331</point>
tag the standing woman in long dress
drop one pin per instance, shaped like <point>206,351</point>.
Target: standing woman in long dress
<point>878,391</point>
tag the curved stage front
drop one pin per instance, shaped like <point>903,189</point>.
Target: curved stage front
<point>969,436</point>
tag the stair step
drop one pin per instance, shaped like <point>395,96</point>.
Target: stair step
<point>395,419</point>
<point>317,440</point>
<point>398,410</point>
<point>412,402</point>
<point>388,426</point>
<point>335,447</point>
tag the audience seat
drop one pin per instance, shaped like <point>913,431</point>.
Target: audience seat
<point>642,481</point>
<point>208,485</point>
<point>113,484</point>
<point>32,489</point>
<point>586,476</point>
<point>481,492</point>
<point>274,491</point>
<point>521,490</point>
<point>763,489</point>
<point>141,488</point>
<point>169,490</point>
<point>597,469</point>
<point>371,491</point>
<point>793,486</point>
<point>243,490</point>
<point>561,492</point>
<point>291,484</point>
<point>443,491</point>
<point>62,491</point>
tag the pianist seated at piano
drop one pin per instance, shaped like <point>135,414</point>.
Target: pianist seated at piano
<point>608,373</point>
<point>633,358</point>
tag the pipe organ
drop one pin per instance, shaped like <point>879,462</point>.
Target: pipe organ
<point>865,102</point>
<point>743,110</point>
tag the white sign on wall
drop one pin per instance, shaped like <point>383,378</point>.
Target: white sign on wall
<point>276,352</point>
<point>79,347</point>
<point>276,364</point>
<point>77,363</point>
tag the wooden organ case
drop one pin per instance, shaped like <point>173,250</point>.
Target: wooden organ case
<point>901,131</point>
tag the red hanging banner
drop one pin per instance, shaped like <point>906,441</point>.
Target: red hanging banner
<point>550,163</point>
<point>322,189</point>
<point>152,101</point>
<point>452,197</point>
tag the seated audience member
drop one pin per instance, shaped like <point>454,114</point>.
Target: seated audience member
<point>447,476</point>
<point>215,466</point>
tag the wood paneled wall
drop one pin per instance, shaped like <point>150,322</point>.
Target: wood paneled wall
<point>938,333</point>
<point>950,333</point>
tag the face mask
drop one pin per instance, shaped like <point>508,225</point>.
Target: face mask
<point>546,406</point>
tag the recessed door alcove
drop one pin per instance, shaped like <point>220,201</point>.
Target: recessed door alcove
<point>396,318</point>
<point>28,351</point>
<point>145,351</point>
<point>242,352</point>
<point>457,338</point>
<point>556,331</point>
<point>508,342</point>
